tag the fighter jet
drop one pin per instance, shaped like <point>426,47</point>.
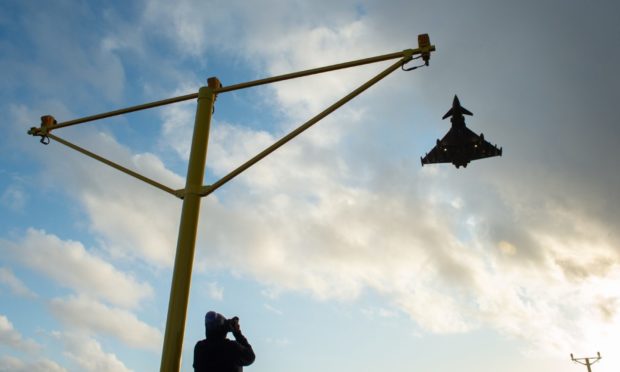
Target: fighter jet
<point>460,145</point>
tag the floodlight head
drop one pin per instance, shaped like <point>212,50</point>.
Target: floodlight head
<point>424,43</point>
<point>48,121</point>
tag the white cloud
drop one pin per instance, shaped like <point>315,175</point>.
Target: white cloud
<point>9,336</point>
<point>133,219</point>
<point>14,284</point>
<point>177,127</point>
<point>14,197</point>
<point>381,312</point>
<point>278,342</point>
<point>88,354</point>
<point>232,145</point>
<point>12,364</point>
<point>408,241</point>
<point>303,97</point>
<point>88,315</point>
<point>72,266</point>
<point>215,291</point>
<point>275,40</point>
<point>273,309</point>
<point>184,23</point>
<point>330,240</point>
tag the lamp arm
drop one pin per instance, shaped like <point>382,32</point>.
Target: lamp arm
<point>319,70</point>
<point>403,54</point>
<point>211,188</point>
<point>177,193</point>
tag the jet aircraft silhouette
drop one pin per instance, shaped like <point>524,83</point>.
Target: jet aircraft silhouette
<point>460,145</point>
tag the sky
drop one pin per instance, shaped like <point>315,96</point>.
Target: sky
<point>338,252</point>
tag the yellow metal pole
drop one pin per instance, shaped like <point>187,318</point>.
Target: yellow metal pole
<point>183,262</point>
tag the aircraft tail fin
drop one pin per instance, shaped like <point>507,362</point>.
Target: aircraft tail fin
<point>466,111</point>
<point>457,109</point>
<point>447,115</point>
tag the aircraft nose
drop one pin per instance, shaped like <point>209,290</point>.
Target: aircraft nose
<point>456,102</point>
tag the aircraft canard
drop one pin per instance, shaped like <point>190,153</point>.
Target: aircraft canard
<point>460,145</point>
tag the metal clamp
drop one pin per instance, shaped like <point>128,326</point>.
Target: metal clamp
<point>47,123</point>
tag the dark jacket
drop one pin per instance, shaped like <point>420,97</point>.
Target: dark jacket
<point>223,355</point>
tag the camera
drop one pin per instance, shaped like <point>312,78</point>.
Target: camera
<point>231,324</point>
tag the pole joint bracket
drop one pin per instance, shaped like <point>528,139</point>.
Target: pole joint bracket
<point>203,191</point>
<point>47,123</point>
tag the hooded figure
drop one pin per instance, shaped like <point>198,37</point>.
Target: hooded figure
<point>216,353</point>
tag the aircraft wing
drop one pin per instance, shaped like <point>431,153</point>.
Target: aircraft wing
<point>484,149</point>
<point>438,154</point>
<point>459,147</point>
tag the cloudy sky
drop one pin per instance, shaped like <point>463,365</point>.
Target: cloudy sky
<point>339,252</point>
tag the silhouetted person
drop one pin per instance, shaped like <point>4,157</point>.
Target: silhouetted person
<point>216,353</point>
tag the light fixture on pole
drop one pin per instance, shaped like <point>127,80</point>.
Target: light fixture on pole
<point>194,190</point>
<point>586,361</point>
